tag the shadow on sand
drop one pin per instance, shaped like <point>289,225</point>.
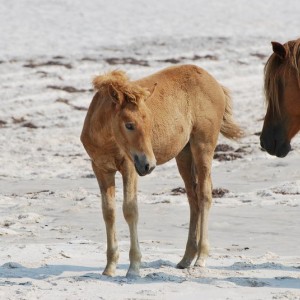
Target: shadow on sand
<point>56,272</point>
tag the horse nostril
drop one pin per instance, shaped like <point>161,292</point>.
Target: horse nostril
<point>147,167</point>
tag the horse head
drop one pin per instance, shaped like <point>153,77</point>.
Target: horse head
<point>282,90</point>
<point>131,119</point>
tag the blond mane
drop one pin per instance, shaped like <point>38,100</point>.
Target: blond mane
<point>120,81</point>
<point>274,83</point>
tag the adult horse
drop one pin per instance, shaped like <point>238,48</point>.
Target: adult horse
<point>282,91</point>
<point>133,125</point>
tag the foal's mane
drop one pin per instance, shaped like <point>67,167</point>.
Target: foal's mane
<point>274,83</point>
<point>120,81</point>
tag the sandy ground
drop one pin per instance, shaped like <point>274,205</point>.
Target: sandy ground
<point>52,236</point>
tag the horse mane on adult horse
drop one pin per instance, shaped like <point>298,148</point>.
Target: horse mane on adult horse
<point>282,94</point>
<point>132,126</point>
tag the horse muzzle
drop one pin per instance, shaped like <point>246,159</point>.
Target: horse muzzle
<point>274,145</point>
<point>142,165</point>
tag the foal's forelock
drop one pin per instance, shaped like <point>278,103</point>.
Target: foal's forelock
<point>119,81</point>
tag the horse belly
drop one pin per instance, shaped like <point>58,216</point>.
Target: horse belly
<point>167,146</point>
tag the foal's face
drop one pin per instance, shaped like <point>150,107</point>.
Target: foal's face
<point>278,130</point>
<point>133,132</point>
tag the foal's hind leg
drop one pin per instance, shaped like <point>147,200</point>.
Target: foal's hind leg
<point>130,211</point>
<point>186,169</point>
<point>202,156</point>
<point>106,183</point>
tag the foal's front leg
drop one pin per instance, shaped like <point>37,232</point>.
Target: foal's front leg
<point>106,183</point>
<point>130,211</point>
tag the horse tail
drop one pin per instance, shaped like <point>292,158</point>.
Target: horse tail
<point>229,128</point>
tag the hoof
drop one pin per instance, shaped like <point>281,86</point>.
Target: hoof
<point>133,270</point>
<point>108,274</point>
<point>201,262</point>
<point>183,264</point>
<point>133,274</point>
<point>109,271</point>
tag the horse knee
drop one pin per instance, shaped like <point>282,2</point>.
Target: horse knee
<point>109,215</point>
<point>204,192</point>
<point>130,212</point>
<point>192,198</point>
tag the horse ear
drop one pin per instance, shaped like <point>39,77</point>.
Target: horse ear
<point>115,95</point>
<point>152,90</point>
<point>279,50</point>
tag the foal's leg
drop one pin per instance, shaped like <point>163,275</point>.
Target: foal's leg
<point>186,169</point>
<point>130,211</point>
<point>202,156</point>
<point>106,183</point>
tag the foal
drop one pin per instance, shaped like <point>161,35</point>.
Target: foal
<point>132,126</point>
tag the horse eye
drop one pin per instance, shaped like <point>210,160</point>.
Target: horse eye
<point>129,126</point>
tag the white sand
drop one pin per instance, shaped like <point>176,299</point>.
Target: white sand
<point>52,236</point>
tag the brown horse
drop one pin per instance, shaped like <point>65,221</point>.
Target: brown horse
<point>133,125</point>
<point>282,90</point>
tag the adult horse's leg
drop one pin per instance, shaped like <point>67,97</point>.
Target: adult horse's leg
<point>130,211</point>
<point>106,183</point>
<point>186,169</point>
<point>202,156</point>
